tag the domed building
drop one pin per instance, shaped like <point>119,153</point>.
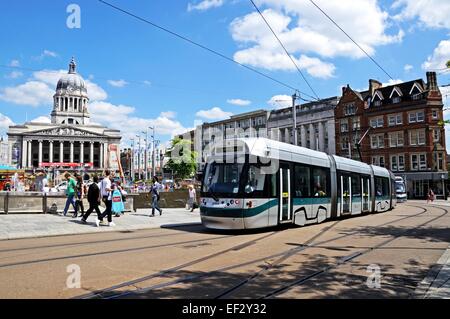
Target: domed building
<point>69,141</point>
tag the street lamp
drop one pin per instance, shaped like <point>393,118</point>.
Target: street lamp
<point>146,154</point>
<point>153,150</point>
<point>132,160</point>
<point>139,157</point>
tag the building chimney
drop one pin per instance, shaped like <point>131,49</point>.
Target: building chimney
<point>432,81</point>
<point>373,86</point>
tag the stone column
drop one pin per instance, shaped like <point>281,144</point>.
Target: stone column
<point>105,155</point>
<point>101,155</point>
<point>287,136</point>
<point>40,153</point>
<point>303,137</point>
<point>82,152</point>
<point>312,136</point>
<point>24,153</point>
<point>50,155</point>
<point>29,153</point>
<point>321,137</point>
<point>71,151</point>
<point>91,154</point>
<point>61,152</point>
<point>331,137</point>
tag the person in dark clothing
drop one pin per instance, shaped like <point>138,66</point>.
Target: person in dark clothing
<point>93,197</point>
<point>81,192</point>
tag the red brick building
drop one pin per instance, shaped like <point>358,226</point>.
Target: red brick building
<point>404,130</point>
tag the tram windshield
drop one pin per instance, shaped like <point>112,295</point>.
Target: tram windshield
<point>222,178</point>
<point>400,187</point>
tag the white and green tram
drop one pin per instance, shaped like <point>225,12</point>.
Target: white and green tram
<point>256,183</point>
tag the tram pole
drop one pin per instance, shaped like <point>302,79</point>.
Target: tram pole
<point>295,96</point>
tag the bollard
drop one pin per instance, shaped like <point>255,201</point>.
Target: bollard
<point>44,204</point>
<point>6,203</point>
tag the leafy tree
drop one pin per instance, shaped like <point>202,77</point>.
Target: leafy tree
<point>183,161</point>
<point>448,64</point>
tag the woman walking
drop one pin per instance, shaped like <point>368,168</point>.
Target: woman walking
<point>70,193</point>
<point>192,198</point>
<point>155,196</point>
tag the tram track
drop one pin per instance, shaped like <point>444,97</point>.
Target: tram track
<point>265,267</point>
<point>349,258</point>
<point>108,252</point>
<point>110,291</point>
<point>309,244</point>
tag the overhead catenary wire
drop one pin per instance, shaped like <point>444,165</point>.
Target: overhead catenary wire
<point>348,36</point>
<point>285,50</point>
<point>184,38</point>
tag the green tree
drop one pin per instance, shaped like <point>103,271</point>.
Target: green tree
<point>448,64</point>
<point>182,160</point>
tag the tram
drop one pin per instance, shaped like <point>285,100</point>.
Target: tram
<point>256,183</point>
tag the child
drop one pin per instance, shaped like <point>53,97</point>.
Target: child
<point>117,201</point>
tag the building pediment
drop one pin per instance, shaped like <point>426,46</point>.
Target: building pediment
<point>65,131</point>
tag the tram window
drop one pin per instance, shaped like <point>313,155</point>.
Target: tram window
<point>320,182</point>
<point>381,186</point>
<point>302,179</point>
<point>356,186</point>
<point>255,180</point>
<point>272,184</point>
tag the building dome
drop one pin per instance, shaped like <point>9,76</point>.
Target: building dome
<point>72,82</point>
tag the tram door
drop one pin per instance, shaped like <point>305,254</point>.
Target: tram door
<point>346,195</point>
<point>365,183</point>
<point>285,193</point>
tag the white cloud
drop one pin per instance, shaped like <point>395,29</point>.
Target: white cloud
<point>123,118</point>
<point>215,113</point>
<point>31,93</point>
<point>45,83</point>
<point>430,13</point>
<point>239,102</point>
<point>118,83</point>
<point>95,92</point>
<point>14,75</point>
<point>280,101</point>
<point>305,31</point>
<point>45,54</point>
<point>205,5</point>
<point>5,123</point>
<point>408,68</point>
<point>14,63</point>
<point>392,82</point>
<point>148,83</point>
<point>169,114</point>
<point>42,119</point>
<point>439,58</point>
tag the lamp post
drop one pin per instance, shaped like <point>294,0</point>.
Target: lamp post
<point>132,160</point>
<point>153,150</point>
<point>294,112</point>
<point>139,157</point>
<point>146,155</point>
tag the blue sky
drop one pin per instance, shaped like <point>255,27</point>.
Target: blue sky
<point>140,76</point>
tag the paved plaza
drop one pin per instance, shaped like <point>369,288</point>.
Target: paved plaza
<point>40,225</point>
<point>400,254</point>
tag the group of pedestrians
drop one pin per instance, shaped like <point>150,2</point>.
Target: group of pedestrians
<point>111,194</point>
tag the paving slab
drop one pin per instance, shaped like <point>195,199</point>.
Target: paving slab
<point>32,225</point>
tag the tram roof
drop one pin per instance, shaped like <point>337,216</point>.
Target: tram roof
<point>266,148</point>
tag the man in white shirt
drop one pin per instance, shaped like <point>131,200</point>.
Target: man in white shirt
<point>106,194</point>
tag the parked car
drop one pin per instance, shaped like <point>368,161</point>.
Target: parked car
<point>60,188</point>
